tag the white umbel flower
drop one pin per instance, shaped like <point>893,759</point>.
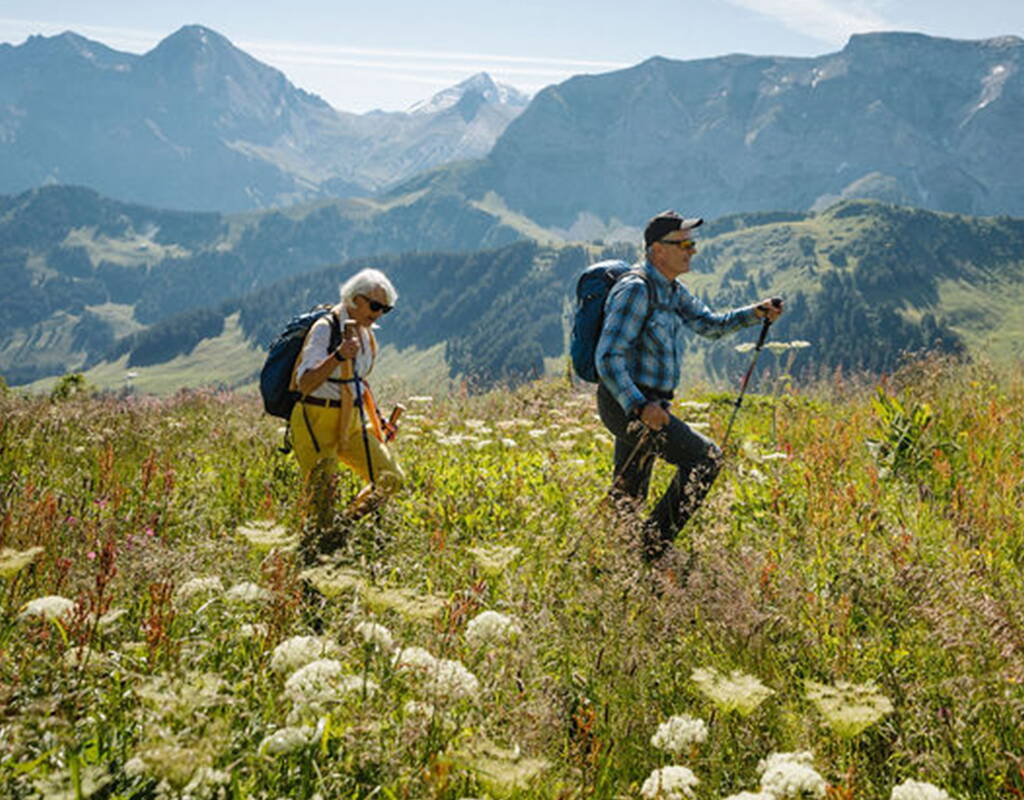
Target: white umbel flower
<point>14,561</point>
<point>414,659</point>
<point>375,634</point>
<point>679,733</point>
<point>918,790</point>
<point>490,627</point>
<point>247,592</point>
<point>315,682</point>
<point>849,708</point>
<point>790,775</point>
<point>751,796</point>
<point>451,680</point>
<point>211,584</point>
<point>286,740</point>
<point>736,691</point>
<point>301,650</point>
<point>669,783</point>
<point>53,606</point>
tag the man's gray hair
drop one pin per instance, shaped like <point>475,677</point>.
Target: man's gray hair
<point>364,282</point>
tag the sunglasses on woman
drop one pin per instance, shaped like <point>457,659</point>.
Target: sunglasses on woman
<point>376,305</point>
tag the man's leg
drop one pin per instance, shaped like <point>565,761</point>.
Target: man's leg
<point>698,461</point>
<point>633,461</point>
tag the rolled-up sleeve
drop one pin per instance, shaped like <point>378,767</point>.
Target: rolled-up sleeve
<point>705,322</point>
<point>624,313</point>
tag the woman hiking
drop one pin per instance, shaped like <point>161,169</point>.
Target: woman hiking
<point>336,418</point>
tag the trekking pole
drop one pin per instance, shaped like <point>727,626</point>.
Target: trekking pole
<point>776,301</point>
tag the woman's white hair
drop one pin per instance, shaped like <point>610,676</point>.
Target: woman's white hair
<point>364,282</point>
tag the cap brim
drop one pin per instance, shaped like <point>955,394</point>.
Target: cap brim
<point>688,224</point>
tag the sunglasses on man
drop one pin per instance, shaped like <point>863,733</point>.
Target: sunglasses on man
<point>376,305</point>
<point>685,244</point>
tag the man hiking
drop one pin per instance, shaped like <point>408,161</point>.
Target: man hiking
<point>638,360</point>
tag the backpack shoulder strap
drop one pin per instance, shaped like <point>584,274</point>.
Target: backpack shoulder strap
<point>652,295</point>
<point>335,330</point>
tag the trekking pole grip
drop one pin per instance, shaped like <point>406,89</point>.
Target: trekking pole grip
<point>776,302</point>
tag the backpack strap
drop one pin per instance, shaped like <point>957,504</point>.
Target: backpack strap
<point>652,303</point>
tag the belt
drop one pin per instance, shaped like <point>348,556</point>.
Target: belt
<point>320,401</point>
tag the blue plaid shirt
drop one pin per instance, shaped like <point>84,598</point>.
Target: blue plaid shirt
<point>628,356</point>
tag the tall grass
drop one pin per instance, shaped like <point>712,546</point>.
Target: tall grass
<point>868,539</point>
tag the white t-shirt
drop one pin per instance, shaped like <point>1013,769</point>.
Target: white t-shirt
<point>315,351</point>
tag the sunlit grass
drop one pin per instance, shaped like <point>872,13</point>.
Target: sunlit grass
<point>849,623</point>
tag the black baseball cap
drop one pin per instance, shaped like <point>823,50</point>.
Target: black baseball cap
<point>666,222</point>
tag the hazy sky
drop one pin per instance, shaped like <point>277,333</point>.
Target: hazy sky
<point>361,54</point>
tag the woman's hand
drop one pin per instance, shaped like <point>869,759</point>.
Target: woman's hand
<point>349,348</point>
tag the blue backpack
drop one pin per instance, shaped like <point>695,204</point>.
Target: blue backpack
<point>276,376</point>
<point>591,292</point>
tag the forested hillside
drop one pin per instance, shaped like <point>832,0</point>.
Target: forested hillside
<point>865,282</point>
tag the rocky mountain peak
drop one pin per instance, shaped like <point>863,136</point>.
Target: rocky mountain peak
<point>479,89</point>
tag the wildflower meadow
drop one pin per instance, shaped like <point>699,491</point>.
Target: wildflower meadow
<point>842,619</point>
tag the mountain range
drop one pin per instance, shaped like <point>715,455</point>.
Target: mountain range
<point>777,152</point>
<point>899,117</point>
<point>198,124</point>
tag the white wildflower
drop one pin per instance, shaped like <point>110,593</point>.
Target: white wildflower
<point>478,425</point>
<point>267,536</point>
<point>490,627</point>
<point>52,606</point>
<point>205,781</point>
<point>417,710</point>
<point>450,679</point>
<point>301,650</point>
<point>494,558</point>
<point>421,398</point>
<point>679,733</point>
<point>323,681</point>
<point>849,708</point>
<point>414,658</point>
<point>286,740</point>
<point>134,767</point>
<point>375,634</point>
<point>669,783</point>
<point>510,443</point>
<point>314,682</point>
<point>111,618</point>
<point>537,433</point>
<point>14,561</point>
<point>746,347</point>
<point>790,775</point>
<point>917,790</point>
<point>253,630</point>
<point>247,592</point>
<point>198,586</point>
<point>751,796</point>
<point>480,445</point>
<point>734,692</point>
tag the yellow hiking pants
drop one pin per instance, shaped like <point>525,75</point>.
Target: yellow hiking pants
<point>319,467</point>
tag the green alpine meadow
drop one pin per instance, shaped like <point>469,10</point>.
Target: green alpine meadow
<point>842,619</point>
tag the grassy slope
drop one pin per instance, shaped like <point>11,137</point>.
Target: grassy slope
<point>900,567</point>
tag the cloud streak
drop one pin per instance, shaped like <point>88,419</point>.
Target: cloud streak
<point>338,64</point>
<point>831,21</point>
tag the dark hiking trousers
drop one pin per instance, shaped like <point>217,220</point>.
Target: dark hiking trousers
<point>696,458</point>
